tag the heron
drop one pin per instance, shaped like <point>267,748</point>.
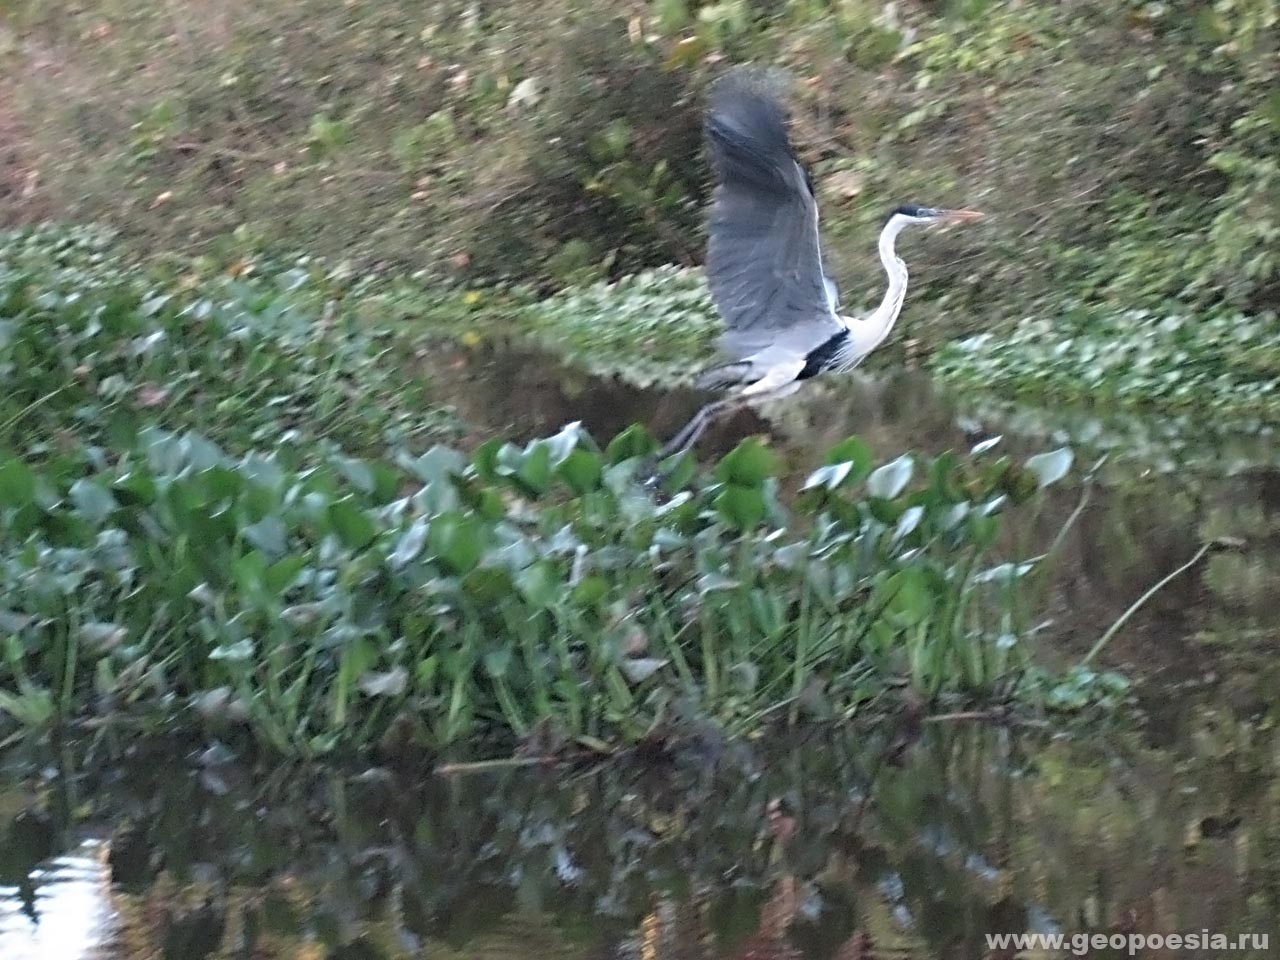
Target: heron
<point>765,266</point>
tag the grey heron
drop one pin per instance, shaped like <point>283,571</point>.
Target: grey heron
<point>764,264</point>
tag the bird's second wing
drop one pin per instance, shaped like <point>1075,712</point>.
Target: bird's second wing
<point>764,260</point>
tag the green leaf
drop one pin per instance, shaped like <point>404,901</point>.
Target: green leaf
<point>678,477</point>
<point>94,502</point>
<point>354,528</point>
<point>748,464</point>
<point>17,484</point>
<point>236,652</point>
<point>632,443</point>
<point>908,522</point>
<point>1050,467</point>
<point>582,470</point>
<point>911,598</point>
<point>488,585</point>
<point>741,507</point>
<point>590,591</point>
<point>497,662</point>
<point>534,472</point>
<point>268,535</point>
<point>638,670</point>
<point>539,583</point>
<point>358,473</point>
<point>457,541</point>
<point>564,443</point>
<point>485,459</point>
<point>440,463</point>
<point>982,530</point>
<point>392,683</point>
<point>854,451</point>
<point>891,479</point>
<point>282,575</point>
<point>410,543</point>
<point>829,477</point>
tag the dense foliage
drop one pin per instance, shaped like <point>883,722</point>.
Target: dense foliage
<point>1128,154</point>
<point>217,502</point>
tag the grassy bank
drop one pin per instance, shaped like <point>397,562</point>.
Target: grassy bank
<point>221,507</point>
<point>1127,153</point>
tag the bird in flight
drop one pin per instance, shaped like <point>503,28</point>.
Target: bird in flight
<point>764,262</point>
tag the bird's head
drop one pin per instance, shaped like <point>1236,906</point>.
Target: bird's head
<point>911,213</point>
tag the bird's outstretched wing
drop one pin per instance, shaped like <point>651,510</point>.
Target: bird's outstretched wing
<point>764,257</point>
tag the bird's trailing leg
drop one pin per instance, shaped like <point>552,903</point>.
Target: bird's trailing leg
<point>779,382</point>
<point>696,427</point>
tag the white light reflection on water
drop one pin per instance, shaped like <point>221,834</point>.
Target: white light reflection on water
<point>73,917</point>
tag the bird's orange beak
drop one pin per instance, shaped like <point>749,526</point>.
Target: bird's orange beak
<point>961,216</point>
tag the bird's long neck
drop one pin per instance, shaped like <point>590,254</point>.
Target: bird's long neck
<point>870,332</point>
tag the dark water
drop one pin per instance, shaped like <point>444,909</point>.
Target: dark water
<point>873,843</point>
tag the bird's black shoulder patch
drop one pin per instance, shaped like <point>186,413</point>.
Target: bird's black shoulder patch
<point>823,357</point>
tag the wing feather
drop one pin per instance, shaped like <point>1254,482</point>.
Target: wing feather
<point>764,256</point>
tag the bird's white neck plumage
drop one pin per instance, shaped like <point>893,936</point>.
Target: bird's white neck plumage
<point>869,333</point>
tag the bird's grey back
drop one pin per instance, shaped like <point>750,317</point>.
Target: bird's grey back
<point>764,261</point>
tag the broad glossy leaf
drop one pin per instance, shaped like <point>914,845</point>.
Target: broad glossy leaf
<point>908,522</point>
<point>358,473</point>
<point>911,599</point>
<point>985,445</point>
<point>392,683</point>
<point>562,444</point>
<point>854,451</point>
<point>236,652</point>
<point>410,543</point>
<point>830,476</point>
<point>457,540</point>
<point>268,535</point>
<point>534,472</point>
<point>889,480</point>
<point>485,458</point>
<point>638,670</point>
<point>103,636</point>
<point>1005,573</point>
<point>17,484</point>
<point>748,464</point>
<point>94,502</point>
<point>742,507</point>
<point>630,444</point>
<point>438,464</point>
<point>352,526</point>
<point>283,574</point>
<point>1052,466</point>
<point>582,470</point>
<point>539,583</point>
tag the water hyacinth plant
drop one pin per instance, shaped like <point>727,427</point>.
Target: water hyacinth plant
<point>486,596</point>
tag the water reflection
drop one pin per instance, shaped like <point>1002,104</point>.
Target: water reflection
<point>60,909</point>
<point>823,849</point>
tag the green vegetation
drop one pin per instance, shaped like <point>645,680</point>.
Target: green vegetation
<point>215,507</point>
<point>92,351</point>
<point>1127,154</point>
<point>1226,363</point>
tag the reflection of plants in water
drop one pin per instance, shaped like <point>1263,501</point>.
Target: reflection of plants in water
<point>970,831</point>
